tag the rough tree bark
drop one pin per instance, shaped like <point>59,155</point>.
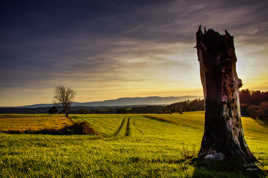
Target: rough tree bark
<point>223,135</point>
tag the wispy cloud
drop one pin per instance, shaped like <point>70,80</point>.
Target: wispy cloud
<point>127,48</point>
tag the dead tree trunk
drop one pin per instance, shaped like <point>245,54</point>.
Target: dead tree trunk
<point>223,135</point>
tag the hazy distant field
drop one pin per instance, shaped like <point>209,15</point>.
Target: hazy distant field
<point>128,145</point>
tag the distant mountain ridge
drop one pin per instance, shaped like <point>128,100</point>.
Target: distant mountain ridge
<point>128,101</point>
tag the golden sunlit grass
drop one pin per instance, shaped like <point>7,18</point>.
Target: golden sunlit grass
<point>21,123</point>
<point>129,145</point>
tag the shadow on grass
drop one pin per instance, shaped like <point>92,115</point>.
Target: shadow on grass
<point>159,119</point>
<point>216,168</point>
<point>262,122</point>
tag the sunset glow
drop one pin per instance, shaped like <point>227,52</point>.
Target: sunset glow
<point>122,50</point>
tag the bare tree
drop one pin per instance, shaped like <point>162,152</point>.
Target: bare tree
<point>64,96</point>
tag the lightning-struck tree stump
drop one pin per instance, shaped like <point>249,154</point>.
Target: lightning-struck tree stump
<point>223,135</point>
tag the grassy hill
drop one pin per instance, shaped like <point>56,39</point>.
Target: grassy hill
<point>128,145</point>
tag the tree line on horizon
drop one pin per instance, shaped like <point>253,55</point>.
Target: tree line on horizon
<point>253,104</point>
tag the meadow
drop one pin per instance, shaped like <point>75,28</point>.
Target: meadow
<point>127,145</point>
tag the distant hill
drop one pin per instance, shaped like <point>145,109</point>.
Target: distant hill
<point>131,101</point>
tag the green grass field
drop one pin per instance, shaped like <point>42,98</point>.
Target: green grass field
<point>128,145</point>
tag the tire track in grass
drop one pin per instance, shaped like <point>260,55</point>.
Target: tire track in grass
<point>119,128</point>
<point>127,133</point>
<point>122,132</point>
<point>112,136</point>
